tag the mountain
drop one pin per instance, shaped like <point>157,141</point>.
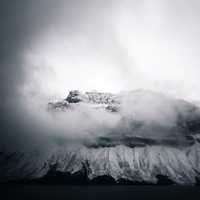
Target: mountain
<point>143,115</point>
<point>156,139</point>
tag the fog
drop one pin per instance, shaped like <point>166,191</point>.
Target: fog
<point>48,48</point>
<point>113,46</point>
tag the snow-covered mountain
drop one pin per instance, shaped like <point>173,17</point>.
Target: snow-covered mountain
<point>154,136</point>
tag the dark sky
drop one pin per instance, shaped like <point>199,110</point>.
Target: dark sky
<point>19,22</point>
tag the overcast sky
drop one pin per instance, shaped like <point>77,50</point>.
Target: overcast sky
<point>49,47</point>
<point>102,45</point>
<point>117,45</point>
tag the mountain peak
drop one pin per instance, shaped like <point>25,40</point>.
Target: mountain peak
<point>94,97</point>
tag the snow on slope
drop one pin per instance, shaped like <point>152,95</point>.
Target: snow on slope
<point>141,164</point>
<point>156,135</point>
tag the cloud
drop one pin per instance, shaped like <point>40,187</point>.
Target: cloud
<point>48,48</point>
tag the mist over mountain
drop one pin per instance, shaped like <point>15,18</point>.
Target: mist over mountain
<point>134,136</point>
<point>139,113</point>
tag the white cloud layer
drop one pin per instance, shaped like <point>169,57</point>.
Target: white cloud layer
<point>115,45</point>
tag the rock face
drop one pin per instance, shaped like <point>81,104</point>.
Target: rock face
<point>155,136</point>
<point>76,96</point>
<point>139,164</point>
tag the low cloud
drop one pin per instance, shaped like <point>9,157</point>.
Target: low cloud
<point>51,47</point>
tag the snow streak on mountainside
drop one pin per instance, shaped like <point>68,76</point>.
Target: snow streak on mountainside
<point>153,136</point>
<point>141,164</point>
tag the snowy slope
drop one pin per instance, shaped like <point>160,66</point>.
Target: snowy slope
<point>141,164</point>
<point>156,135</point>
